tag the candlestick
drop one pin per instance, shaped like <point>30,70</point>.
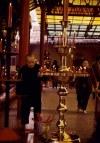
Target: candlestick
<point>10,15</point>
<point>65,61</point>
<point>0,44</point>
<point>62,61</point>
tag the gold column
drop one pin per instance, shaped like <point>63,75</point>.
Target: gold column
<point>65,24</point>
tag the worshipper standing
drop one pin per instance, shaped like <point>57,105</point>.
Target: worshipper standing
<point>29,88</point>
<point>84,86</point>
<point>55,68</point>
<point>96,69</point>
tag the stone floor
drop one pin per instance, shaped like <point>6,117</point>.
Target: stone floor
<point>78,123</point>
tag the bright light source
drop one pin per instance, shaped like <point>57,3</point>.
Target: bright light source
<point>35,30</point>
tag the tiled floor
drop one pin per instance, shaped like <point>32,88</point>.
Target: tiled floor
<point>79,123</point>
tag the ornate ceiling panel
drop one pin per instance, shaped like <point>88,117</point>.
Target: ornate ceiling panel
<point>83,18</point>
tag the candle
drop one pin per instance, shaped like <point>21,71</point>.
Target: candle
<point>0,44</point>
<point>10,15</point>
<point>62,61</point>
<point>65,61</point>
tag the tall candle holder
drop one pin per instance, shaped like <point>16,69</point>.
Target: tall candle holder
<point>61,123</point>
<point>61,135</point>
<point>10,15</point>
<point>3,54</point>
<point>6,62</point>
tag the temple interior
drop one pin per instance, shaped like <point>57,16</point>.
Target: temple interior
<point>61,33</point>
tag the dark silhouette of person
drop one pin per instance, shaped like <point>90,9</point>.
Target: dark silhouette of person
<point>30,88</point>
<point>55,68</point>
<point>95,137</point>
<point>84,86</point>
<point>96,69</point>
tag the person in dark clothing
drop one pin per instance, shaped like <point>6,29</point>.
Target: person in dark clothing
<point>96,69</point>
<point>84,86</point>
<point>55,68</point>
<point>30,88</point>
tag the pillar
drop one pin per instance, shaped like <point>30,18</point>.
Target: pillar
<point>24,32</point>
<point>42,33</point>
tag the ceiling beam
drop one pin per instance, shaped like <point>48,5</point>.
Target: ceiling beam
<point>77,10</point>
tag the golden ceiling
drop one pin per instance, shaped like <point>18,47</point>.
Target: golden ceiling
<point>83,18</point>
